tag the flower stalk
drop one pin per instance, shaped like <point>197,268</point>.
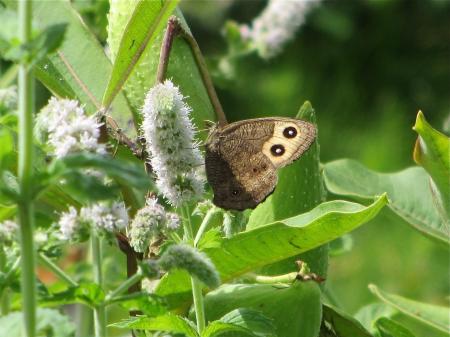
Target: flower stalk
<point>25,169</point>
<point>195,283</point>
<point>99,311</point>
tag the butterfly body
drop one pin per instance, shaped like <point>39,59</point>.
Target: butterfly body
<point>242,158</point>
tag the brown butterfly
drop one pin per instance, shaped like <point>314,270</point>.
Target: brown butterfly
<point>242,158</point>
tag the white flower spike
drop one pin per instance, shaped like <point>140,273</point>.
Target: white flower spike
<point>276,25</point>
<point>68,128</point>
<point>169,134</point>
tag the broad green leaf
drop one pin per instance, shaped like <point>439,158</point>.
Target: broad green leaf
<point>370,313</point>
<point>146,22</point>
<point>168,323</point>
<point>389,328</point>
<point>295,309</point>
<point>252,320</point>
<point>433,315</point>
<point>218,328</point>
<point>148,304</point>
<point>49,322</point>
<point>432,151</point>
<point>408,192</point>
<point>89,294</point>
<point>182,68</point>
<point>277,241</point>
<point>79,66</point>
<point>299,189</point>
<point>343,324</point>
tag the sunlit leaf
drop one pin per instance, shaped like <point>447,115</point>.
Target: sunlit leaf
<point>146,22</point>
<point>432,151</point>
<point>168,323</point>
<point>295,310</point>
<point>274,242</point>
<point>432,315</point>
<point>408,192</point>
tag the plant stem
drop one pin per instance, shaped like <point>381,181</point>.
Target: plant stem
<point>204,225</point>
<point>124,287</point>
<point>286,278</point>
<point>196,285</point>
<point>55,269</point>
<point>174,29</point>
<point>99,311</point>
<point>25,169</point>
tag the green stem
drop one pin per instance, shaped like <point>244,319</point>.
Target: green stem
<point>196,285</point>
<point>99,311</point>
<point>286,278</point>
<point>204,225</point>
<point>5,298</point>
<point>124,287</point>
<point>25,168</point>
<point>55,269</point>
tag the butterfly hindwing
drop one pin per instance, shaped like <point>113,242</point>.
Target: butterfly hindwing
<point>242,158</point>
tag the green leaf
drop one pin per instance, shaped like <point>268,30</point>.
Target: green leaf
<point>274,242</point>
<point>299,189</point>
<point>79,69</point>
<point>432,315</point>
<point>341,245</point>
<point>123,171</point>
<point>49,322</point>
<point>168,323</point>
<point>343,324</point>
<point>218,328</point>
<point>182,68</point>
<point>295,310</point>
<point>89,294</point>
<point>370,313</point>
<point>253,320</point>
<point>408,192</point>
<point>432,151</point>
<point>148,304</point>
<point>147,21</point>
<point>389,328</point>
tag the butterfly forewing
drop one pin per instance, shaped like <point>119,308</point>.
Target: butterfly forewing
<point>242,158</point>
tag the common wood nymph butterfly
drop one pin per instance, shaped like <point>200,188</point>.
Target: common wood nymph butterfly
<point>242,158</point>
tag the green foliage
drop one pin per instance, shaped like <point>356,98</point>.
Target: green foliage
<point>279,240</point>
<point>412,201</point>
<point>342,323</point>
<point>295,309</point>
<point>144,25</point>
<point>390,328</point>
<point>49,323</point>
<point>432,152</point>
<point>433,315</point>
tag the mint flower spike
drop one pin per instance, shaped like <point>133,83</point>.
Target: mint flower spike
<point>106,217</point>
<point>194,262</point>
<point>8,232</point>
<point>72,227</point>
<point>276,25</point>
<point>65,126</point>
<point>146,225</point>
<point>8,99</point>
<point>173,153</point>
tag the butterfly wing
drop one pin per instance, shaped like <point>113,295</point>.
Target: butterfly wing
<point>242,158</point>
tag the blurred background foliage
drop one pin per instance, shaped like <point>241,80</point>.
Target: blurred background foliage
<point>367,67</point>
